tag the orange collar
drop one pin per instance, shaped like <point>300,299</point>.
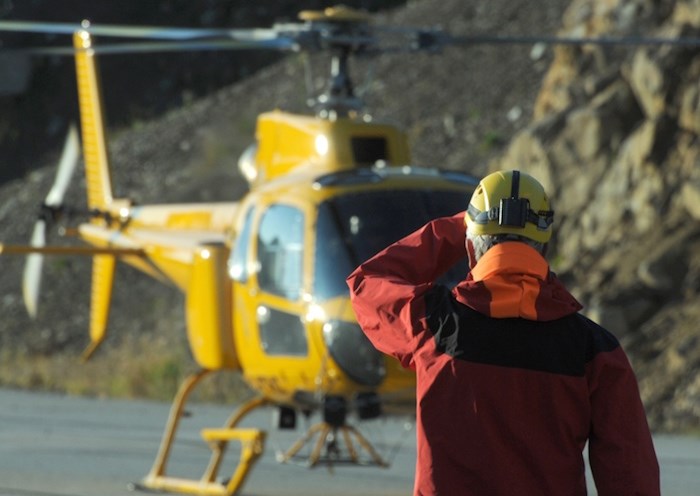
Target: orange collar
<point>512,257</point>
<point>512,280</point>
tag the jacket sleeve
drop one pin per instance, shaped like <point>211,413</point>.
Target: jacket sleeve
<point>387,290</point>
<point>621,451</point>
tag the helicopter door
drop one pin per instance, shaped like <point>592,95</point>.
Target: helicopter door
<point>280,250</point>
<point>269,305</point>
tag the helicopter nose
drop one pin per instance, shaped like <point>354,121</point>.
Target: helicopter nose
<point>353,352</point>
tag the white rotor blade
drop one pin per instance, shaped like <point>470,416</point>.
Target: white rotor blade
<point>121,31</point>
<point>281,43</point>
<point>69,159</point>
<point>31,279</point>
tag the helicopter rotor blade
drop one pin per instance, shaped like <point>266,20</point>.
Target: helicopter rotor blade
<point>570,40</point>
<point>399,39</point>
<point>144,32</point>
<point>160,39</point>
<point>31,278</point>
<point>66,167</point>
<point>310,35</point>
<point>421,41</point>
<point>281,44</point>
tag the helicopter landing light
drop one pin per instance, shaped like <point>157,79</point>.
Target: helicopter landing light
<point>315,313</point>
<point>124,214</point>
<point>263,314</point>
<point>235,271</point>
<point>322,145</point>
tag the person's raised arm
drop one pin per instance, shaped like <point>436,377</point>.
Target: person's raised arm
<point>386,291</point>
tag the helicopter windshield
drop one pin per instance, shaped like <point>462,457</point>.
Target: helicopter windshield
<point>353,227</point>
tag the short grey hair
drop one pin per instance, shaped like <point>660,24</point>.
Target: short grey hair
<point>483,242</point>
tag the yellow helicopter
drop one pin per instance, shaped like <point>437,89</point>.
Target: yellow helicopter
<point>263,276</point>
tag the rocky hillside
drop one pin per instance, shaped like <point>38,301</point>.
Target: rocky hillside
<point>614,136</point>
<point>612,132</point>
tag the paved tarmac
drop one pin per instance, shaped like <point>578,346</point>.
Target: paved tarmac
<point>54,445</point>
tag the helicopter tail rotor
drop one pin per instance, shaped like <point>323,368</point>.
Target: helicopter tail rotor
<point>31,279</point>
<point>50,210</point>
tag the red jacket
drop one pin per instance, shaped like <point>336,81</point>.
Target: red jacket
<point>511,380</point>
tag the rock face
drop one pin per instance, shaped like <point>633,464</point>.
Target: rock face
<point>615,139</point>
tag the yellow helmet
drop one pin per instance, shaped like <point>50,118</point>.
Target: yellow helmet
<point>510,202</point>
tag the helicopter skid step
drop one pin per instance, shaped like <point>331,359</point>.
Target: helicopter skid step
<point>252,446</point>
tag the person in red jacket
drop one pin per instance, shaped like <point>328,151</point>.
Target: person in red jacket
<point>512,381</point>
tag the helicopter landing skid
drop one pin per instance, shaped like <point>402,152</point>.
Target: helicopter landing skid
<point>252,446</point>
<point>331,437</point>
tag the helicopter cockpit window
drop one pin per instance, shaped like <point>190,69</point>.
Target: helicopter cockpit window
<point>353,227</point>
<point>238,262</point>
<point>280,251</point>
